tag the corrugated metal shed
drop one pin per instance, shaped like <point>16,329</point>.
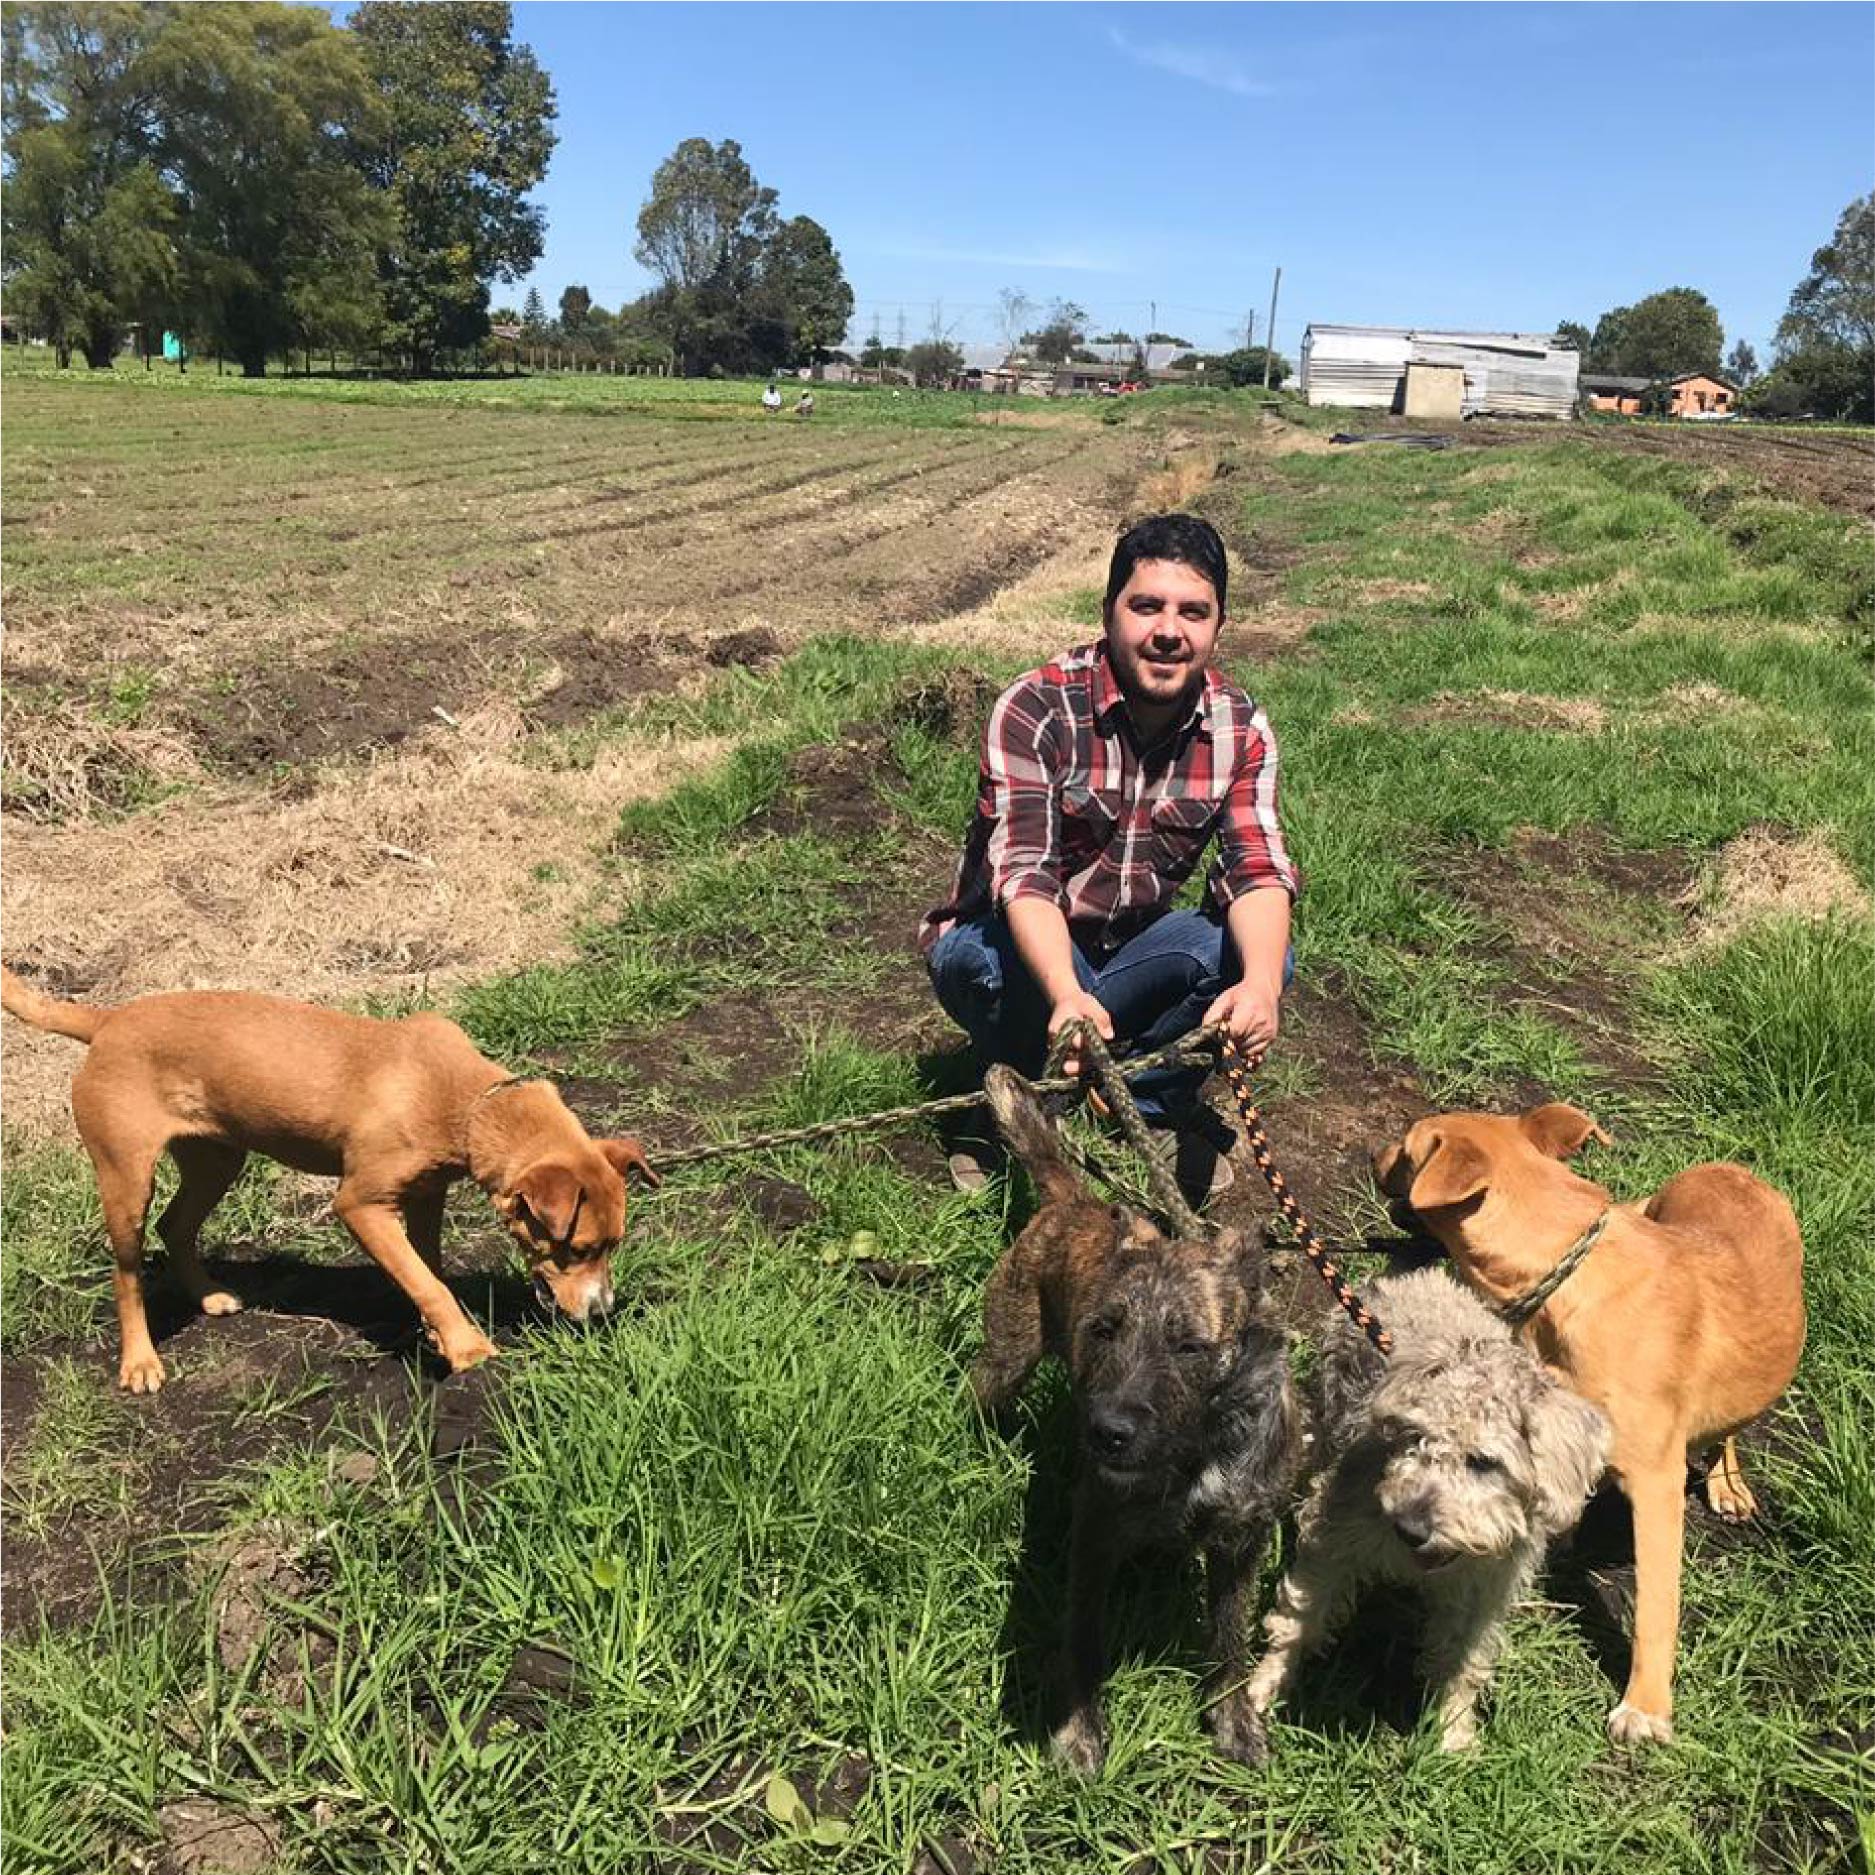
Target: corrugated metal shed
<point>1507,374</point>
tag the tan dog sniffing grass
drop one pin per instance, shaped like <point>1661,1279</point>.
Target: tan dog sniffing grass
<point>396,1111</point>
<point>1682,1321</point>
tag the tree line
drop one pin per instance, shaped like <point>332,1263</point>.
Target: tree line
<point>264,182</point>
<point>1824,363</point>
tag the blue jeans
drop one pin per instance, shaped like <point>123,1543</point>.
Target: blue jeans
<point>1155,987</point>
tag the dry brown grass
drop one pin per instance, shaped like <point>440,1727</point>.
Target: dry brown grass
<point>1287,439</point>
<point>1765,873</point>
<point>63,762</point>
<point>1515,709</point>
<point>448,860</point>
<point>1180,482</point>
<point>1388,591</point>
<point>1031,617</point>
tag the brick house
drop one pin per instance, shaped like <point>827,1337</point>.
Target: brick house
<point>1699,394</point>
<point>1691,394</point>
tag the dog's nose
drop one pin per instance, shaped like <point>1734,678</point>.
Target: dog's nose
<point>1112,1431</point>
<point>1415,1528</point>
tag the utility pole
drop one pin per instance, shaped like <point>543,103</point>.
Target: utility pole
<point>1249,330</point>
<point>1269,331</point>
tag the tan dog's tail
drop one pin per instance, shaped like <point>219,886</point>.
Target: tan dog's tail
<point>1031,1134</point>
<point>46,1012</point>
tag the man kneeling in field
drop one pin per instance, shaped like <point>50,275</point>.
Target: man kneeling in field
<point>1104,777</point>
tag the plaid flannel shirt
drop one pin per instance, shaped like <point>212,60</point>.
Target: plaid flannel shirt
<point>1071,809</point>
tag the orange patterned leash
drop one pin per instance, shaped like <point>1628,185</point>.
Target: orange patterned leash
<point>1237,1072</point>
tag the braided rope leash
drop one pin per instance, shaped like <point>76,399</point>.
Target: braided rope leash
<point>1237,1073</point>
<point>1105,1072</point>
<point>1181,1053</point>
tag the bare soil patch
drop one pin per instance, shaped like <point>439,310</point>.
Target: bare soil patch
<point>1577,919</point>
<point>318,1354</point>
<point>202,1837</point>
<point>1832,470</point>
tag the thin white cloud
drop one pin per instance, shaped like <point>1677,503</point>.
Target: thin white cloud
<point>1069,260</point>
<point>1216,69</point>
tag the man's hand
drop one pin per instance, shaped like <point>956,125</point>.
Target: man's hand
<point>1078,1005</point>
<point>1249,1015</point>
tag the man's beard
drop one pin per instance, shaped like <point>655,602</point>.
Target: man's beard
<point>1137,695</point>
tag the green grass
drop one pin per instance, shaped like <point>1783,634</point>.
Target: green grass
<point>755,1509</point>
<point>732,400</point>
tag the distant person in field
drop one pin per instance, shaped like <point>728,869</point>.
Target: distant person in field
<point>771,399</point>
<point>805,408</point>
<point>1105,776</point>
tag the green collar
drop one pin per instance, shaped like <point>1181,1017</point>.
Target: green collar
<point>1526,1305</point>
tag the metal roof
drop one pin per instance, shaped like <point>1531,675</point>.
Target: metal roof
<point>1506,373</point>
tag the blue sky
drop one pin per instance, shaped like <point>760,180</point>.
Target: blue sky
<point>1487,166</point>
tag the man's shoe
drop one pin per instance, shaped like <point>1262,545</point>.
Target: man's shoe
<point>1203,1170</point>
<point>974,1164</point>
<point>1196,1145</point>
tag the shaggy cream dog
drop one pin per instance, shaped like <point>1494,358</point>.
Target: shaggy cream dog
<point>1449,1466</point>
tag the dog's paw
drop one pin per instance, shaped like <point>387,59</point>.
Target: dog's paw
<point>1728,1496</point>
<point>220,1302</point>
<point>141,1373</point>
<point>1235,1723</point>
<point>1629,1725</point>
<point>468,1351</point>
<point>1081,1743</point>
<point>1459,1733</point>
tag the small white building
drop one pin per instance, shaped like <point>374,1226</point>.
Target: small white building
<point>1506,374</point>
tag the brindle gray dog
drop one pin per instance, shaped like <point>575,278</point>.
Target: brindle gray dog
<point>1187,1418</point>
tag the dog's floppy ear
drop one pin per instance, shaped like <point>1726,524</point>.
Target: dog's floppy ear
<point>1568,1451</point>
<point>626,1156</point>
<point>1560,1129</point>
<point>1453,1171</point>
<point>553,1194</point>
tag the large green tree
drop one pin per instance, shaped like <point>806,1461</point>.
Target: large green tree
<point>1826,339</point>
<point>466,132</point>
<point>1660,336</point>
<point>706,220</point>
<point>739,289</point>
<point>703,231</point>
<point>263,109</point>
<point>802,276</point>
<point>86,221</point>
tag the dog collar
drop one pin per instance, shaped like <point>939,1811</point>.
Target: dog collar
<point>1526,1305</point>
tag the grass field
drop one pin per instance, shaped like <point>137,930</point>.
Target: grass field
<point>1582,777</point>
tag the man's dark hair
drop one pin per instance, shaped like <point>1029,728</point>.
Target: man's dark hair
<point>1179,537</point>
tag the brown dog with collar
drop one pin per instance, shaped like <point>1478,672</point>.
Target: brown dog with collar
<point>1682,1320</point>
<point>396,1111</point>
